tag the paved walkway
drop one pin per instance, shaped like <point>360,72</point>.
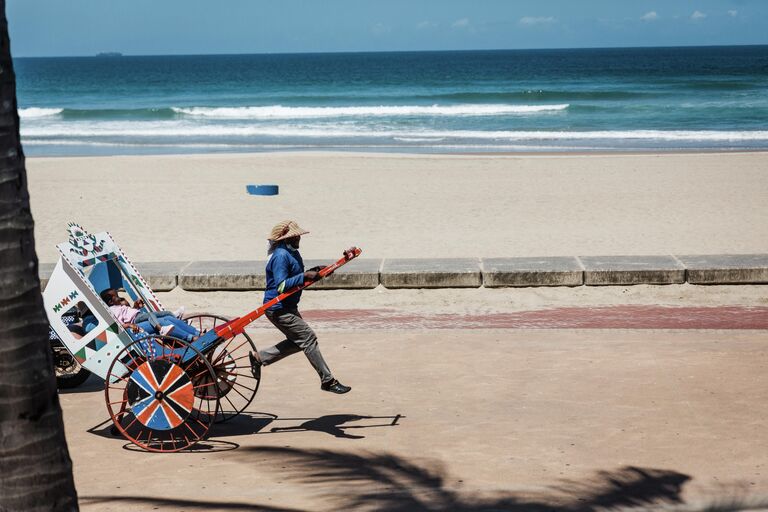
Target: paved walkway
<point>600,317</point>
<point>465,419</point>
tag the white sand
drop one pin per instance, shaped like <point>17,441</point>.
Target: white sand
<point>166,208</point>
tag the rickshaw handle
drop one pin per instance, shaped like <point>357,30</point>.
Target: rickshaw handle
<point>237,326</point>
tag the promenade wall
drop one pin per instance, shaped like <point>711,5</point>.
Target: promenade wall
<point>363,273</point>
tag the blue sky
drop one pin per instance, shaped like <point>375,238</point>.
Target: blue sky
<point>147,27</point>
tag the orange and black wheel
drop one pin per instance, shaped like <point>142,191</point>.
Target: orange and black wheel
<point>235,383</point>
<point>155,397</point>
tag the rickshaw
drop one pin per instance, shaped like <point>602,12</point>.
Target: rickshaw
<point>162,393</point>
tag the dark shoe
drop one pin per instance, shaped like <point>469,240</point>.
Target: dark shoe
<point>255,365</point>
<point>335,386</point>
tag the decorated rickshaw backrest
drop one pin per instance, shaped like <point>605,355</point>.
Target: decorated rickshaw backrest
<point>99,258</point>
<point>90,264</point>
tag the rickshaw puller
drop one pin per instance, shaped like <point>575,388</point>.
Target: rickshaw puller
<point>285,270</point>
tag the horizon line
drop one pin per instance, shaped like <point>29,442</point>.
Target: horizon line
<point>121,54</point>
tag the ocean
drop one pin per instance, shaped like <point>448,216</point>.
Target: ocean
<point>621,99</point>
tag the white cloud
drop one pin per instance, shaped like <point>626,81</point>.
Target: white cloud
<point>462,23</point>
<point>536,20</point>
<point>427,25</point>
<point>733,14</point>
<point>698,15</point>
<point>381,29</point>
<point>649,16</point>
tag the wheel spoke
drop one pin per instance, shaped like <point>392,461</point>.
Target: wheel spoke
<point>239,393</point>
<point>230,403</point>
<point>243,386</point>
<point>232,351</point>
<point>135,419</point>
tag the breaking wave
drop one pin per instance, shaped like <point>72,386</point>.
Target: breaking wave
<point>282,112</point>
<point>183,131</point>
<point>37,112</point>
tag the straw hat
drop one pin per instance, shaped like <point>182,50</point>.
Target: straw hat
<point>286,229</point>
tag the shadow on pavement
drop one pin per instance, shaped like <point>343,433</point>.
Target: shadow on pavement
<point>171,504</point>
<point>103,429</point>
<point>332,424</point>
<point>245,423</point>
<point>387,482</point>
<point>204,446</point>
<point>250,423</point>
<point>93,383</point>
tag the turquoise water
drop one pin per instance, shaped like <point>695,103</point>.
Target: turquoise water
<point>531,100</point>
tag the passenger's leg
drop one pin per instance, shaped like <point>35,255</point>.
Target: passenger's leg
<point>144,316</point>
<point>181,329</point>
<point>146,326</point>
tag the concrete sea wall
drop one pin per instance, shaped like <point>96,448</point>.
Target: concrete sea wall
<point>469,272</point>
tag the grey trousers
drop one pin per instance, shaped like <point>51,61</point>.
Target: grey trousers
<point>299,336</point>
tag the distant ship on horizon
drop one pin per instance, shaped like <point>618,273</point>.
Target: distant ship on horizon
<point>109,54</point>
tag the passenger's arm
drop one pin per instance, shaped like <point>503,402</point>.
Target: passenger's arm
<point>133,327</point>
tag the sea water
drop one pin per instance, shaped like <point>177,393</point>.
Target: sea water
<point>696,98</point>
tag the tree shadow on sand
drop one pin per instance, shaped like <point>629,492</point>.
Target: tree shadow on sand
<point>386,482</point>
<point>389,483</point>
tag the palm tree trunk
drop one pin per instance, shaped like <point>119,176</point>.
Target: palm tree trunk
<point>36,469</point>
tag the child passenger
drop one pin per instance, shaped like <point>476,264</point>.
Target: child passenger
<point>134,319</point>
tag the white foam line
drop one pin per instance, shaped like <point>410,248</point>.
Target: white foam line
<point>495,147</point>
<point>167,129</point>
<point>282,112</point>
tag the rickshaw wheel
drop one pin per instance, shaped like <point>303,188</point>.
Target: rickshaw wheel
<point>153,394</point>
<point>236,384</point>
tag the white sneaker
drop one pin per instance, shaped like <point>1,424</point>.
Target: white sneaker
<point>166,330</point>
<point>179,312</point>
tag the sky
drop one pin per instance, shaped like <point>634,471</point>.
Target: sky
<point>165,27</point>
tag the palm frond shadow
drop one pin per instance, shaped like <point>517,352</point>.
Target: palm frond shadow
<point>386,482</point>
<point>158,503</point>
<point>627,487</point>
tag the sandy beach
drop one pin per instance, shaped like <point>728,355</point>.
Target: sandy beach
<point>182,207</point>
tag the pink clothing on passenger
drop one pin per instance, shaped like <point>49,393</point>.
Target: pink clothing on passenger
<point>124,314</point>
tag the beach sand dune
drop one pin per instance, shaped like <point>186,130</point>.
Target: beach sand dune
<point>171,208</point>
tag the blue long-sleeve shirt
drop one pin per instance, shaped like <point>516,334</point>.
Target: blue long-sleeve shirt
<point>285,269</point>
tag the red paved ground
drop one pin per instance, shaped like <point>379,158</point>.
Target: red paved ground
<point>607,317</point>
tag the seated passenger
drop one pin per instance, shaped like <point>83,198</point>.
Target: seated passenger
<point>87,320</point>
<point>138,304</point>
<point>135,320</point>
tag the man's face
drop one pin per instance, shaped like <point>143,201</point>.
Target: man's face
<point>293,241</point>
